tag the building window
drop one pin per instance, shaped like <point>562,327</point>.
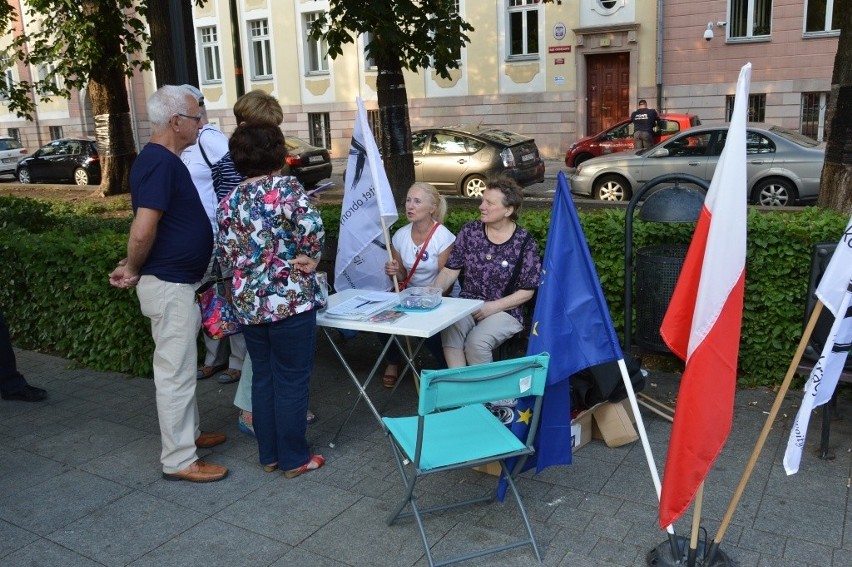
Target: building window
<point>375,126</point>
<point>749,18</point>
<point>814,106</point>
<point>456,9</point>
<point>6,78</point>
<point>756,107</point>
<point>56,132</point>
<point>14,133</point>
<point>319,124</point>
<point>523,28</point>
<point>261,49</point>
<point>48,73</point>
<point>820,16</point>
<point>369,61</point>
<point>211,64</point>
<point>316,50</point>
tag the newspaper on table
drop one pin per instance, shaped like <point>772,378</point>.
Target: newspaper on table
<point>364,305</point>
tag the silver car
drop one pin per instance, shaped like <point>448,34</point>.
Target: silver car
<point>458,159</point>
<point>11,152</point>
<point>783,166</point>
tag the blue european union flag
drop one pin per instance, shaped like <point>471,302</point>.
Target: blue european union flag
<point>571,321</point>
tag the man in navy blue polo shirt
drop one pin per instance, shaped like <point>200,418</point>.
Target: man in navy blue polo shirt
<point>644,121</point>
<point>170,244</point>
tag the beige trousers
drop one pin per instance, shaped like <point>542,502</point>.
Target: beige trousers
<point>175,322</point>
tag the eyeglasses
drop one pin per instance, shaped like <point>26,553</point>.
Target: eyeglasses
<point>196,118</point>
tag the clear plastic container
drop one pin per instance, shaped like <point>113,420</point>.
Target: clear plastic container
<point>420,298</point>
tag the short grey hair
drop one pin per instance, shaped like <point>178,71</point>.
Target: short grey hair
<point>167,101</point>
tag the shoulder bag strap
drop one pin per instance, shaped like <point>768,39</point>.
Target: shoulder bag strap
<point>517,271</point>
<point>420,255</point>
<point>203,153</point>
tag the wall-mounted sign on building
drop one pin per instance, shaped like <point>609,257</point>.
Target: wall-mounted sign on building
<point>559,49</point>
<point>559,31</point>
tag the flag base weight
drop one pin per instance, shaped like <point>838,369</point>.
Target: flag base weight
<point>661,556</point>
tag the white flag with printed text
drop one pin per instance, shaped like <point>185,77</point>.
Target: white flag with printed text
<point>367,204</point>
<point>835,293</point>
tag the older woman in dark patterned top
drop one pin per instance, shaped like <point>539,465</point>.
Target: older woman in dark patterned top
<point>499,263</point>
<point>272,237</point>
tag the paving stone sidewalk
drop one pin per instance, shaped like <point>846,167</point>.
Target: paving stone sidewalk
<point>80,485</point>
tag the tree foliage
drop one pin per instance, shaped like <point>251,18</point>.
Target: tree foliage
<point>422,34</point>
<point>405,34</point>
<point>69,45</point>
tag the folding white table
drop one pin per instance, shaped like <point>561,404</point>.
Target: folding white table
<point>420,325</point>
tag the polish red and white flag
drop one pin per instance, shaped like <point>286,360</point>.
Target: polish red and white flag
<point>703,321</point>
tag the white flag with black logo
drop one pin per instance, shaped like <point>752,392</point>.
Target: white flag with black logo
<point>835,293</point>
<point>367,201</point>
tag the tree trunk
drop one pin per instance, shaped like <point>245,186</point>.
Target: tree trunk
<point>396,128</point>
<point>836,182</point>
<point>108,91</point>
<point>172,42</point>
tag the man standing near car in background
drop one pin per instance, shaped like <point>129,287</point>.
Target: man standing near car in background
<point>644,121</point>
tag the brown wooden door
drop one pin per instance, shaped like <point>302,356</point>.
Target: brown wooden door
<point>608,92</point>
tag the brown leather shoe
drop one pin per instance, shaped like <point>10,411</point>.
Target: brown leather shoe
<point>199,471</point>
<point>209,439</point>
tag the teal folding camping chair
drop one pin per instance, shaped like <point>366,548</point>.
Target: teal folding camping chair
<point>454,430</point>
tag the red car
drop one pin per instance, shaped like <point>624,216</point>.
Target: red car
<point>619,138</point>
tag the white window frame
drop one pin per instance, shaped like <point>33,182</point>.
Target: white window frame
<point>750,6</point>
<point>260,41</point>
<point>7,79</point>
<point>823,108</point>
<point>829,17</point>
<point>316,50</point>
<point>369,62</point>
<point>319,129</point>
<point>525,8</point>
<point>209,55</point>
<point>42,71</point>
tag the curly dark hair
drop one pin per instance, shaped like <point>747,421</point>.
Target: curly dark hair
<point>257,148</point>
<point>513,195</point>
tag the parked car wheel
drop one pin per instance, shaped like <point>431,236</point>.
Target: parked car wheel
<point>81,177</point>
<point>612,188</point>
<point>474,186</point>
<point>24,175</point>
<point>774,192</point>
<point>581,158</point>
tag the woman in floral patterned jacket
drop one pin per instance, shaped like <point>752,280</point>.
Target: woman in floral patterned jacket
<point>272,237</point>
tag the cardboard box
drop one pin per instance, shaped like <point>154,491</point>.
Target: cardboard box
<point>613,423</point>
<point>581,430</point>
<point>581,433</point>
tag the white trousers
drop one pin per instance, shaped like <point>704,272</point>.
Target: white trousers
<point>175,322</point>
<point>478,340</point>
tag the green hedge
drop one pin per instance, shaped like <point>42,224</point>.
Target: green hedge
<point>57,298</point>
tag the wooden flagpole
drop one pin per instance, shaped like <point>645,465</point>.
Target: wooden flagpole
<point>761,441</point>
<point>696,524</point>
<point>386,234</point>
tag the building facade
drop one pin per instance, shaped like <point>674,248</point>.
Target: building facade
<point>555,71</point>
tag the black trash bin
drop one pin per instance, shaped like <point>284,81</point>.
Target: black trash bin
<point>652,274</point>
<point>657,270</point>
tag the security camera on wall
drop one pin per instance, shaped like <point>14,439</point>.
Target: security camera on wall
<point>708,33</point>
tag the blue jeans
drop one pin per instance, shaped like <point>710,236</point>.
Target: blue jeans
<point>282,356</point>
